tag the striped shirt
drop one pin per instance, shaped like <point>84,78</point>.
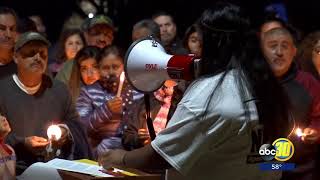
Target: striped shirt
<point>94,113</point>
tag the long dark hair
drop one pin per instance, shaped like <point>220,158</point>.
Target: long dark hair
<point>75,77</point>
<point>193,28</point>
<point>229,43</point>
<point>304,55</point>
<point>65,34</point>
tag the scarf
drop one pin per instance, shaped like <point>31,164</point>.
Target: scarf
<point>160,121</point>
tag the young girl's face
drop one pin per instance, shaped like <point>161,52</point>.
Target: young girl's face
<point>194,44</point>
<point>89,71</point>
<point>111,65</point>
<point>4,127</point>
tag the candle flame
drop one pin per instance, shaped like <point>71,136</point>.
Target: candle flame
<point>122,76</point>
<point>299,132</point>
<point>54,132</point>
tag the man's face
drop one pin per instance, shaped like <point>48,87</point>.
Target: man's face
<point>168,29</point>
<point>7,31</point>
<point>99,35</point>
<point>32,58</point>
<point>279,51</point>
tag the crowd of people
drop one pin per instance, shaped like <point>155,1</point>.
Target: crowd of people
<point>250,78</point>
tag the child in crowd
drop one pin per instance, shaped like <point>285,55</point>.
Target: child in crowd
<point>7,155</point>
<point>104,114</point>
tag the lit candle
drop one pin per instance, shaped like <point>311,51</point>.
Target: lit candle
<point>122,76</point>
<point>54,132</point>
<point>299,132</point>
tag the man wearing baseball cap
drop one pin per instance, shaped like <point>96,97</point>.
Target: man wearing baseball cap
<point>31,101</point>
<point>98,31</point>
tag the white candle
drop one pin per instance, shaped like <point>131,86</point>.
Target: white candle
<point>54,132</point>
<point>122,76</point>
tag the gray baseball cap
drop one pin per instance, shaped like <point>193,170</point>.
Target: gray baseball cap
<point>27,37</point>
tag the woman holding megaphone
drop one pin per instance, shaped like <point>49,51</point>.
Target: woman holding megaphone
<point>209,135</point>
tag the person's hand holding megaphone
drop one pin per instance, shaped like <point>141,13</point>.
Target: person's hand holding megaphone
<point>115,105</point>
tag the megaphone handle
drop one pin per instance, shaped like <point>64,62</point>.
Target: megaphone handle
<point>149,120</point>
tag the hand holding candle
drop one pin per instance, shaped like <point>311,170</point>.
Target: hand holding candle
<point>310,135</point>
<point>122,76</point>
<point>54,134</point>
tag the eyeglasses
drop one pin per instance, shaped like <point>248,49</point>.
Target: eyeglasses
<point>33,52</point>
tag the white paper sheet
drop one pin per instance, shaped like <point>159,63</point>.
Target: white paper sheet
<point>44,170</point>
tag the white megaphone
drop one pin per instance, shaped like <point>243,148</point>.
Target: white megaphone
<point>148,66</point>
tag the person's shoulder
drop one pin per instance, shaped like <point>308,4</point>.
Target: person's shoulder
<point>214,79</point>
<point>68,63</point>
<point>308,82</point>
<point>307,79</point>
<point>302,75</point>
<point>57,84</point>
<point>5,80</point>
<point>203,87</point>
<point>65,70</point>
<point>93,89</point>
<point>6,83</point>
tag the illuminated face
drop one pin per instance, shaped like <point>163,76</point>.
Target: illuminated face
<point>99,35</point>
<point>72,45</point>
<point>279,51</point>
<point>32,58</point>
<point>8,31</point>
<point>168,29</point>
<point>316,56</point>
<point>111,65</point>
<point>4,127</point>
<point>89,71</point>
<point>194,44</point>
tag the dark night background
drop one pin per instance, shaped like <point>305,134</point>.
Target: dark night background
<point>302,14</point>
